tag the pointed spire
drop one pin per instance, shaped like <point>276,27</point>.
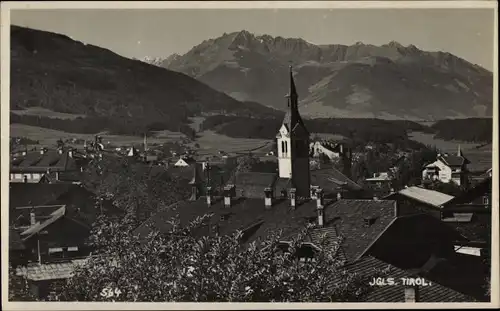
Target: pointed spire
<point>459,153</point>
<point>293,90</point>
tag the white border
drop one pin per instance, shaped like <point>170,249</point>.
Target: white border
<point>5,77</point>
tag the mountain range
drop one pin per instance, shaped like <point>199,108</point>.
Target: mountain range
<point>53,71</point>
<point>390,81</point>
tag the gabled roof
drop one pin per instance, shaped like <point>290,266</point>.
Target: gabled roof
<point>244,213</point>
<point>426,196</point>
<point>34,161</point>
<point>24,194</point>
<point>188,160</point>
<point>347,219</point>
<point>453,160</point>
<point>331,178</point>
<point>369,265</point>
<point>53,271</point>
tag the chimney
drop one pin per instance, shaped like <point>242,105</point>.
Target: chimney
<point>24,153</point>
<point>339,196</point>
<point>320,208</point>
<point>32,218</point>
<point>313,192</point>
<point>209,196</point>
<point>396,209</point>
<point>293,197</point>
<point>42,150</point>
<point>268,201</point>
<point>411,293</point>
<point>227,195</point>
<point>60,150</point>
<point>319,197</point>
<point>57,175</point>
<point>70,153</point>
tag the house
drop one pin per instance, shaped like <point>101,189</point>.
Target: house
<point>468,213</point>
<point>48,228</point>
<point>379,181</point>
<point>417,244</point>
<point>31,167</point>
<point>323,148</point>
<point>185,162</point>
<point>416,199</point>
<point>448,168</point>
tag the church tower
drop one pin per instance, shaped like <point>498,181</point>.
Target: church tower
<point>293,146</point>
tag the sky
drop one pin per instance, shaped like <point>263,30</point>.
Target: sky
<point>467,33</point>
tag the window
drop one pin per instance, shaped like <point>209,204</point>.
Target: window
<point>286,147</point>
<point>282,147</point>
<point>73,249</point>
<point>55,250</point>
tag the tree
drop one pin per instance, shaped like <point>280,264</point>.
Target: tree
<point>180,267</point>
<point>131,187</point>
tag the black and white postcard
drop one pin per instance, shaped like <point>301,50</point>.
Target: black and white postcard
<point>248,154</point>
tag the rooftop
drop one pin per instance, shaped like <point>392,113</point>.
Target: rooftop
<point>346,219</point>
<point>431,197</point>
<point>435,293</point>
<point>53,271</point>
<point>36,161</point>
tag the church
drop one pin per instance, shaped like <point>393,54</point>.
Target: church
<point>294,176</point>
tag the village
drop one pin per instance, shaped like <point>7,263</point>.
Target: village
<point>443,239</point>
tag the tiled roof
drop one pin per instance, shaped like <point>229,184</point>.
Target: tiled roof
<point>36,162</point>
<point>79,201</point>
<point>252,184</point>
<point>347,219</point>
<point>434,293</point>
<point>426,196</point>
<point>21,194</point>
<point>53,271</point>
<point>331,178</point>
<point>243,213</point>
<point>454,160</point>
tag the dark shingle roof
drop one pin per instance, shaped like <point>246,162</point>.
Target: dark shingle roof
<point>454,160</point>
<point>24,194</point>
<point>434,293</point>
<point>244,213</point>
<point>347,219</point>
<point>252,184</point>
<point>37,162</point>
<point>331,178</point>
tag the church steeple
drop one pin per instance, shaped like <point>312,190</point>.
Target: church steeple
<point>293,145</point>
